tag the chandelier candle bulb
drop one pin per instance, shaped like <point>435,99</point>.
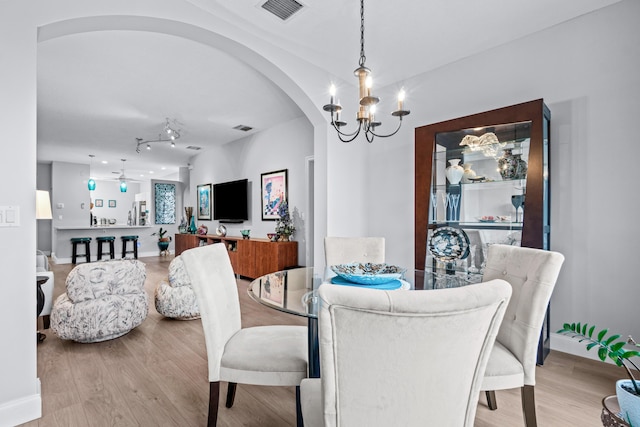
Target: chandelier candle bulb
<point>400,100</point>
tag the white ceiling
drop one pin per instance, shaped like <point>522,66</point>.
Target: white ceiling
<point>99,91</point>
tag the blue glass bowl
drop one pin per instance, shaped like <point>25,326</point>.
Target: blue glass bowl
<point>368,273</point>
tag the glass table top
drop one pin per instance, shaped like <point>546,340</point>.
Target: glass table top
<point>294,291</point>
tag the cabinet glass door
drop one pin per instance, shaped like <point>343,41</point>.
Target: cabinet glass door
<point>479,185</point>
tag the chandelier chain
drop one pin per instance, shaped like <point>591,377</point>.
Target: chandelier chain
<point>363,58</point>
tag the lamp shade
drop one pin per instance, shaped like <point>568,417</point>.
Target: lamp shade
<point>43,205</point>
<point>123,186</point>
<point>91,184</point>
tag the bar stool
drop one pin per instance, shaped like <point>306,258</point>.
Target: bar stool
<point>75,241</point>
<point>134,240</point>
<point>106,239</point>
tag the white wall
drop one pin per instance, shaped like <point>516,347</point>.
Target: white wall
<point>587,72</point>
<point>110,190</point>
<point>585,69</point>
<point>284,146</point>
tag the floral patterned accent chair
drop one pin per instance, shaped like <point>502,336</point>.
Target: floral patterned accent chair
<point>177,299</point>
<point>104,300</point>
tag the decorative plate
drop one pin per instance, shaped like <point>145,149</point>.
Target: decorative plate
<point>487,218</point>
<point>221,230</point>
<point>368,273</point>
<point>449,244</point>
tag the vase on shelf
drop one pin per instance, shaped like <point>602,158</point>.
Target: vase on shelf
<point>467,173</point>
<point>192,225</point>
<point>512,166</point>
<point>454,171</point>
<point>284,237</point>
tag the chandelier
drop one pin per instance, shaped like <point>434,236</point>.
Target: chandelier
<point>366,114</point>
<point>169,134</point>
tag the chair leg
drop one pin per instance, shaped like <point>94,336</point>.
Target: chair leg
<point>492,403</point>
<point>527,393</point>
<point>299,421</point>
<point>231,394</point>
<point>46,321</point>
<point>214,396</point>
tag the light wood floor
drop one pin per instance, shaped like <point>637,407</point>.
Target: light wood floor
<point>156,375</point>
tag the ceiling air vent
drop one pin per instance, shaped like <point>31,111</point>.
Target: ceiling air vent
<point>283,9</point>
<point>194,147</point>
<point>243,128</point>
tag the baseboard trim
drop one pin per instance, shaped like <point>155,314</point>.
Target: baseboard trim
<point>566,344</point>
<point>21,410</point>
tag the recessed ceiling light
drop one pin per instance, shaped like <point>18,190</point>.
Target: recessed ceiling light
<point>104,162</point>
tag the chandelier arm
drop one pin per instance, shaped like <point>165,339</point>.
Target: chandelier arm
<point>345,134</point>
<point>348,137</point>
<point>391,134</point>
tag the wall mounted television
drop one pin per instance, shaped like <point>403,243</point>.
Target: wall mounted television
<point>230,201</point>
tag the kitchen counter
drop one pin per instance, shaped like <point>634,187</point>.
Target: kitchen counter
<point>62,248</point>
<point>99,227</point>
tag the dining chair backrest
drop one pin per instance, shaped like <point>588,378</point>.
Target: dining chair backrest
<point>532,274</point>
<point>346,250</point>
<point>406,358</point>
<point>215,286</point>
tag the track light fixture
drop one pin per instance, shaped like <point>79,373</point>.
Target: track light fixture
<point>366,114</point>
<point>169,133</point>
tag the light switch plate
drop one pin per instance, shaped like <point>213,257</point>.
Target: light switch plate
<point>9,216</point>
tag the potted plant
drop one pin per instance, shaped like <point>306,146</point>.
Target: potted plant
<point>627,390</point>
<point>284,226</point>
<point>163,242</point>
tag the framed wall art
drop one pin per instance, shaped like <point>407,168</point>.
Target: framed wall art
<point>204,201</point>
<point>112,203</point>
<point>164,196</point>
<point>273,191</point>
<point>98,203</point>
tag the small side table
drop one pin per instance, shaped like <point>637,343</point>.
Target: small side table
<point>40,280</point>
<point>610,411</point>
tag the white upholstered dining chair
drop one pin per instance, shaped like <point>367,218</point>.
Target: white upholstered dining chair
<point>344,250</point>
<point>532,274</point>
<point>394,358</point>
<point>274,355</point>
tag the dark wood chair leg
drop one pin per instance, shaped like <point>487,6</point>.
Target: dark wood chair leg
<point>527,393</point>
<point>299,421</point>
<point>492,403</point>
<point>46,321</point>
<point>214,396</point>
<point>231,394</point>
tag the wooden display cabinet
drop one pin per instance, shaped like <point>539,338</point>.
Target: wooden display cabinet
<point>483,207</point>
<point>249,257</point>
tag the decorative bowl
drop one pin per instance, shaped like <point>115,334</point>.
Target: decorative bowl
<point>245,233</point>
<point>272,236</point>
<point>368,273</point>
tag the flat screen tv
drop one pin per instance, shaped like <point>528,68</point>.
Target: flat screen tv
<point>230,201</point>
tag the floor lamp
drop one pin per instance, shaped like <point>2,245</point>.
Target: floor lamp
<point>43,211</point>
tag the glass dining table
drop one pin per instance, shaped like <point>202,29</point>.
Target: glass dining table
<point>295,291</point>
